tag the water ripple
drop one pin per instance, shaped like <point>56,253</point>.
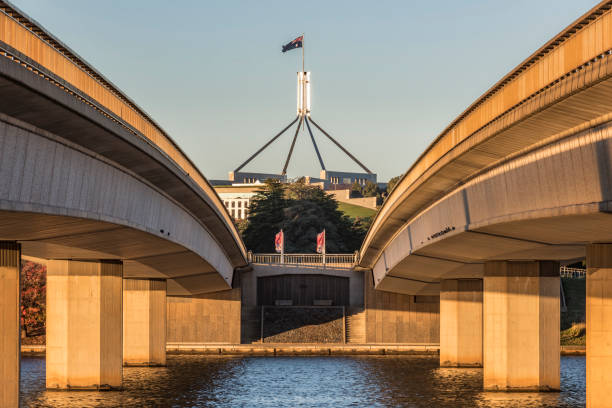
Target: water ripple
<point>373,381</point>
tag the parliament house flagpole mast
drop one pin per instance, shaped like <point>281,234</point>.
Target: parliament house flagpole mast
<point>303,118</point>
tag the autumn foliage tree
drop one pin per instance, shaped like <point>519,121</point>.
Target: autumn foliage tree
<point>33,298</point>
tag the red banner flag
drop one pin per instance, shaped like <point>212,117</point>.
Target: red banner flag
<point>279,242</point>
<point>321,243</point>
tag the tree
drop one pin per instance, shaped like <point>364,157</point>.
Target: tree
<point>302,211</point>
<point>361,227</point>
<point>356,190</point>
<point>392,183</point>
<point>265,217</point>
<point>370,189</point>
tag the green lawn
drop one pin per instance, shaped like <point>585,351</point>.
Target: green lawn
<point>355,211</point>
<point>574,336</point>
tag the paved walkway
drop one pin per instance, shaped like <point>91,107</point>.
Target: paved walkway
<point>268,349</point>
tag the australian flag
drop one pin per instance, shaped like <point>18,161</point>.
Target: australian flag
<point>297,43</point>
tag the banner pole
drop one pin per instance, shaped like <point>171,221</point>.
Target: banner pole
<point>324,246</point>
<point>282,247</point>
<point>303,78</point>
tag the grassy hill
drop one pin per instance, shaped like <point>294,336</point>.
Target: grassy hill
<point>573,328</point>
<point>355,211</point>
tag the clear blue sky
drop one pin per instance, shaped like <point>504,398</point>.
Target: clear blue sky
<point>387,76</point>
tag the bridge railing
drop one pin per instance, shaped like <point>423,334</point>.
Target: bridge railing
<point>350,260</point>
<point>337,260</point>
<point>576,273</point>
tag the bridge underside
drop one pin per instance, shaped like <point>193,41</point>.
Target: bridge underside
<point>546,204</point>
<point>463,255</point>
<point>143,255</point>
<point>78,182</point>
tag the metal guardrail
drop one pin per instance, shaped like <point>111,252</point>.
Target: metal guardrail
<point>338,260</point>
<point>575,273</point>
<point>350,260</point>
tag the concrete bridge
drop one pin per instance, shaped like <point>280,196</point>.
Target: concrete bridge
<point>93,187</point>
<point>518,183</point>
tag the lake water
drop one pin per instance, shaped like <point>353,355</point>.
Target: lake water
<point>368,381</point>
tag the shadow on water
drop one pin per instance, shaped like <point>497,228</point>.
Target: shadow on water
<point>373,381</point>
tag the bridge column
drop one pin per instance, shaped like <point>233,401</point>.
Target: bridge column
<point>144,322</point>
<point>84,331</point>
<point>461,323</point>
<point>10,259</point>
<point>521,338</point>
<point>599,325</point>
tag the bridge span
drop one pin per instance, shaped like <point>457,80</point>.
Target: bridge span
<point>94,188</point>
<point>518,183</point>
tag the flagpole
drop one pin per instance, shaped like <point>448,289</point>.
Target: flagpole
<point>282,247</point>
<point>304,76</point>
<point>324,245</point>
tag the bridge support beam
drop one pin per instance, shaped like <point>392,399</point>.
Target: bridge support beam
<point>461,323</point>
<point>598,325</point>
<point>10,259</point>
<point>144,322</point>
<point>84,330</point>
<point>521,310</point>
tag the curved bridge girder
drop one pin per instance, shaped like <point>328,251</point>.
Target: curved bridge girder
<point>61,201</point>
<point>560,91</point>
<point>546,204</point>
<point>87,176</point>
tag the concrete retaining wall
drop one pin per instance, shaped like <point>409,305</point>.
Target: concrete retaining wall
<point>397,318</point>
<point>210,318</point>
<point>344,196</point>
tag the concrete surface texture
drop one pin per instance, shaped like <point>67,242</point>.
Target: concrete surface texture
<point>461,323</point>
<point>397,318</point>
<point>9,323</point>
<point>599,330</point>
<point>521,326</point>
<point>208,318</point>
<point>144,322</point>
<point>84,325</point>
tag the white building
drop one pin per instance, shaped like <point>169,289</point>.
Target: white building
<point>237,199</point>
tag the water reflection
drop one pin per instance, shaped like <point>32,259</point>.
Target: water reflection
<point>376,381</point>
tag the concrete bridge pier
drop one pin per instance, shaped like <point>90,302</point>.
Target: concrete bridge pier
<point>521,338</point>
<point>144,322</point>
<point>599,325</point>
<point>461,323</point>
<point>10,258</point>
<point>84,330</point>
